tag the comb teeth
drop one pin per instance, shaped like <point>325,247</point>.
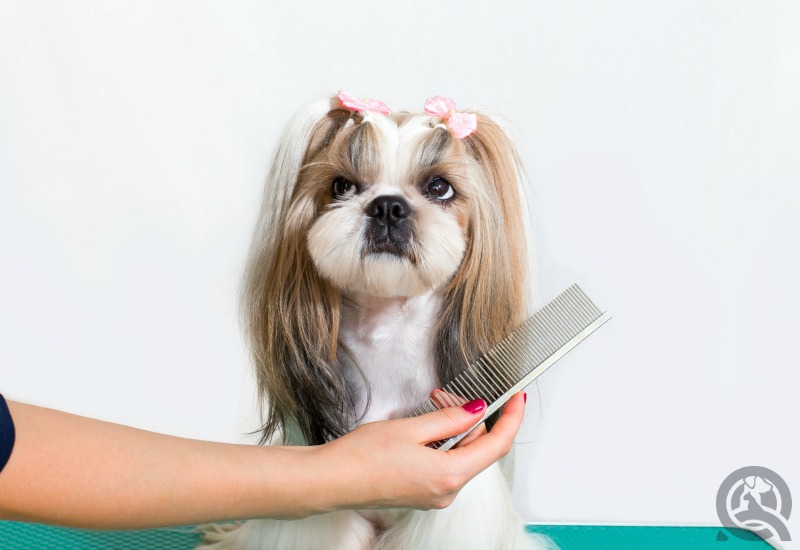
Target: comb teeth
<point>520,357</point>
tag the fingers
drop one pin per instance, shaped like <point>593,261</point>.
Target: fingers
<point>446,422</point>
<point>483,450</point>
<point>472,436</point>
<point>447,399</point>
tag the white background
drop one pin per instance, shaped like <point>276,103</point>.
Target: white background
<point>662,139</point>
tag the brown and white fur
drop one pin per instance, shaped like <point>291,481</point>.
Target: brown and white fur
<point>388,254</point>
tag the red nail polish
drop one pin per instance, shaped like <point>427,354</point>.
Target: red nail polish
<point>525,397</point>
<point>474,407</point>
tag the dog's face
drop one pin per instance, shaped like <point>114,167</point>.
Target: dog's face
<point>394,198</point>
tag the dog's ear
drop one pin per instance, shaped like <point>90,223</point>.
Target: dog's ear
<point>290,314</point>
<point>493,149</point>
<point>489,295</point>
<point>300,134</point>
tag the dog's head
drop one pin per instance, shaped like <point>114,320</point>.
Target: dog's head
<point>388,221</point>
<point>369,203</point>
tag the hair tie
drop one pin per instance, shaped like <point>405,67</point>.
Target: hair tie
<point>460,123</point>
<point>363,105</point>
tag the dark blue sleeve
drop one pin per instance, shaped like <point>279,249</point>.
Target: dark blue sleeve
<point>6,433</point>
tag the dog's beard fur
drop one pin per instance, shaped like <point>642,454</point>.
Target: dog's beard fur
<point>314,245</point>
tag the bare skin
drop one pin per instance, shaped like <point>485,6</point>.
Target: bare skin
<point>76,471</point>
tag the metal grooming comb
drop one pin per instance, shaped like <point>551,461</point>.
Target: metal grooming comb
<point>520,357</point>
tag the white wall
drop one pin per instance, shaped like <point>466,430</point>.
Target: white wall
<point>662,139</point>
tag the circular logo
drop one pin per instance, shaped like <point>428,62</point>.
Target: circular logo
<point>755,501</point>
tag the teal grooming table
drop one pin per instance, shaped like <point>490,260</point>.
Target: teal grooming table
<point>31,536</point>
<point>618,537</point>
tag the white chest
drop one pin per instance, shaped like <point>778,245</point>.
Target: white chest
<point>392,341</point>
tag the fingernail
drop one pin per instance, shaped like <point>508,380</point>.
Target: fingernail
<point>474,407</point>
<point>525,397</point>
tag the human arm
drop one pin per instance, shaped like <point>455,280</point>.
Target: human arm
<point>71,470</point>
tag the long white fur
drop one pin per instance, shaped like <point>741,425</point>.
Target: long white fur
<point>389,311</point>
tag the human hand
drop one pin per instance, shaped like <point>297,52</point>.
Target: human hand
<point>387,465</point>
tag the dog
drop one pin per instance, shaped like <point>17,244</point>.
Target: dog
<point>390,251</point>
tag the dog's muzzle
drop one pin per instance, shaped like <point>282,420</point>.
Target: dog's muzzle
<point>389,226</point>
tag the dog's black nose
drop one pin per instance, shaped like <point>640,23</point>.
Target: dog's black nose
<point>389,209</point>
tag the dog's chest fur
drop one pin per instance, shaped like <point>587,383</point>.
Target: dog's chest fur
<point>392,341</point>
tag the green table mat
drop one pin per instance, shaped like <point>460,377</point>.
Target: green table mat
<point>616,537</point>
<point>31,536</point>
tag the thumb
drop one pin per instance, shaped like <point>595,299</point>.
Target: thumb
<point>447,422</point>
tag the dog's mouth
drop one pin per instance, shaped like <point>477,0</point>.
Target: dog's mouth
<point>400,248</point>
<point>385,247</point>
<point>391,241</point>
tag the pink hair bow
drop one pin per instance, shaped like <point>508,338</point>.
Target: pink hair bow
<point>361,105</point>
<point>460,123</point>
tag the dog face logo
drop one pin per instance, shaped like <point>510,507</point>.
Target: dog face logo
<point>757,500</point>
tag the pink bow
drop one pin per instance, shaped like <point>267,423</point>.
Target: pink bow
<point>360,105</point>
<point>462,124</point>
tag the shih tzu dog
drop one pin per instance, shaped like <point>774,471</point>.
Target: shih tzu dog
<point>390,251</point>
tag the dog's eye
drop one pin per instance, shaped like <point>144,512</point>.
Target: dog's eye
<point>440,189</point>
<point>341,187</point>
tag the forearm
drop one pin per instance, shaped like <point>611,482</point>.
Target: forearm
<point>77,471</point>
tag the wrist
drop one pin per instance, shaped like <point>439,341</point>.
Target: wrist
<point>322,475</point>
<point>341,476</point>
<point>297,481</point>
